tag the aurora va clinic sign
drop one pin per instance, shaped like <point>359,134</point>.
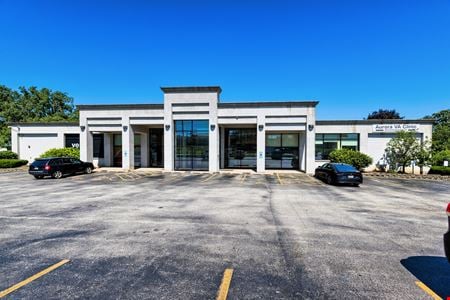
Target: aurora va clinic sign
<point>395,127</point>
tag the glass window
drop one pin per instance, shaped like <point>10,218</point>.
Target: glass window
<point>191,145</point>
<point>240,148</point>
<point>156,141</point>
<point>99,146</point>
<point>326,143</point>
<point>72,141</point>
<point>282,150</point>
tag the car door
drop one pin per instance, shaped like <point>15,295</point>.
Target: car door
<point>67,166</point>
<point>77,165</point>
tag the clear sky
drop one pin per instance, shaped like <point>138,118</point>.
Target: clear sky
<point>352,56</point>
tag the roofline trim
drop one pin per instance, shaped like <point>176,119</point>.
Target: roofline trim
<point>119,106</point>
<point>52,124</point>
<point>375,121</point>
<point>192,89</point>
<point>268,104</point>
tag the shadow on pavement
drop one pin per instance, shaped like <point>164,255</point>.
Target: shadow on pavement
<point>433,271</point>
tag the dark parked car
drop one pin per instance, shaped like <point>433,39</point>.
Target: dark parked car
<point>57,167</point>
<point>334,173</point>
<point>447,236</point>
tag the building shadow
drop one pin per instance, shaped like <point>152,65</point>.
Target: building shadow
<point>433,271</point>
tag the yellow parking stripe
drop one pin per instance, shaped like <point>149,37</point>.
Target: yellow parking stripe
<point>225,285</point>
<point>243,177</point>
<point>279,179</point>
<point>213,175</point>
<point>34,277</point>
<point>428,290</point>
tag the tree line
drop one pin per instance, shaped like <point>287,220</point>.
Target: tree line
<point>33,105</point>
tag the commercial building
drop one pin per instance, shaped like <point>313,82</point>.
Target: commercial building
<point>193,130</point>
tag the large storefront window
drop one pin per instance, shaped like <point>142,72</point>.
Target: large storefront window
<point>240,148</point>
<point>117,150</point>
<point>99,145</point>
<point>191,145</point>
<point>282,150</point>
<point>326,143</point>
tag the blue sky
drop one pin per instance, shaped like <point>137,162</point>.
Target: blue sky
<point>352,56</point>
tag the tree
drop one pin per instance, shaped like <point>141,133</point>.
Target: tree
<point>33,105</point>
<point>384,114</point>
<point>402,149</point>
<point>441,130</point>
<point>423,155</point>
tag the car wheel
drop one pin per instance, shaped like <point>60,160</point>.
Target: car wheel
<point>329,179</point>
<point>88,170</point>
<point>57,174</point>
<point>38,176</point>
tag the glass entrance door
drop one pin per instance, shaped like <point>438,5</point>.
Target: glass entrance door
<point>156,140</point>
<point>191,145</point>
<point>240,148</point>
<point>282,150</point>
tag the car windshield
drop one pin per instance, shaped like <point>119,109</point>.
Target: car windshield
<point>40,162</point>
<point>345,168</point>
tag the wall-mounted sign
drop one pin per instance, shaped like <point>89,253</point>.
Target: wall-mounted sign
<point>395,127</point>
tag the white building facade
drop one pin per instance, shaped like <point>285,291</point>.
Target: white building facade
<point>193,130</point>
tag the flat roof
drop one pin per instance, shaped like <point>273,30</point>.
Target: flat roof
<point>267,104</point>
<point>44,124</point>
<point>374,121</point>
<point>120,106</point>
<point>192,89</point>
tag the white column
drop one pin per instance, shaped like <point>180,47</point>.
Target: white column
<point>222,147</point>
<point>302,151</point>
<point>86,142</point>
<point>310,143</point>
<point>214,158</point>
<point>127,144</point>
<point>15,140</point>
<point>108,150</point>
<point>61,140</point>
<point>261,145</point>
<point>144,150</point>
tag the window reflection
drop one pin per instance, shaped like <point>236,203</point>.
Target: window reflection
<point>240,148</point>
<point>191,145</point>
<point>282,151</point>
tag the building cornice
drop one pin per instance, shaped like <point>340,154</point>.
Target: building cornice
<point>374,121</point>
<point>119,106</point>
<point>268,104</point>
<point>192,89</point>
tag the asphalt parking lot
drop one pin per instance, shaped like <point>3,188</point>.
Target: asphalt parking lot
<point>157,235</point>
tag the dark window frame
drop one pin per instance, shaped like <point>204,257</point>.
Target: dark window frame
<point>325,157</point>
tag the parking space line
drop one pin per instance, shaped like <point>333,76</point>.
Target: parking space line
<point>244,176</point>
<point>213,175</point>
<point>428,290</point>
<point>225,285</point>
<point>32,278</point>
<point>279,179</point>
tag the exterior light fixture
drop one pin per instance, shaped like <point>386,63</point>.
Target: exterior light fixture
<point>310,127</point>
<point>125,128</point>
<point>167,127</point>
<point>260,127</point>
<point>213,127</point>
<point>83,128</point>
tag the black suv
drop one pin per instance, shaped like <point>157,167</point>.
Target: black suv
<point>57,167</point>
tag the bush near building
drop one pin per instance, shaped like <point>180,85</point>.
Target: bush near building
<point>347,156</point>
<point>12,163</point>
<point>62,152</point>
<point>438,158</point>
<point>441,170</point>
<point>8,155</point>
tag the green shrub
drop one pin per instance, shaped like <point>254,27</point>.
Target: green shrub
<point>347,156</point>
<point>62,152</point>
<point>8,155</point>
<point>12,163</point>
<point>438,158</point>
<point>439,170</point>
